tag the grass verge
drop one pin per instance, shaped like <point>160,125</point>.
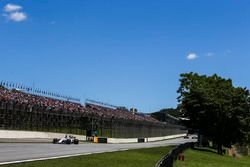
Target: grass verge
<point>146,157</point>
<point>208,158</point>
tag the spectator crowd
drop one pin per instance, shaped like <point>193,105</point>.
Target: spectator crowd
<point>17,97</point>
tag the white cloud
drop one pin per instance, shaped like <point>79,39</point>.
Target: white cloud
<point>192,56</point>
<point>12,7</point>
<point>17,16</point>
<point>14,12</point>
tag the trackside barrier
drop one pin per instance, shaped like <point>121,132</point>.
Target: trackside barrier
<point>95,139</point>
<point>122,140</point>
<point>100,140</point>
<point>17,134</point>
<point>149,139</point>
<point>141,140</point>
<point>152,139</point>
<point>168,159</point>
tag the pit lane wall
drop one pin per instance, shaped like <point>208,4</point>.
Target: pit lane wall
<point>14,134</point>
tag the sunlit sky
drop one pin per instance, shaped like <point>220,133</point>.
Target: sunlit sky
<point>126,53</point>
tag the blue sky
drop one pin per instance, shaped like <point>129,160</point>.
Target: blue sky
<point>127,53</point>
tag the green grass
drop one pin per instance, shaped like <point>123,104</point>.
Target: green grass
<point>147,157</point>
<point>207,158</point>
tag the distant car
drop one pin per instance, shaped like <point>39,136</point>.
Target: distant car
<point>66,140</point>
<point>186,137</point>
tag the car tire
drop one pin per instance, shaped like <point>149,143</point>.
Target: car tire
<point>68,141</point>
<point>55,141</point>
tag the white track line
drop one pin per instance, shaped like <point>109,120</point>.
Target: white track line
<point>57,157</point>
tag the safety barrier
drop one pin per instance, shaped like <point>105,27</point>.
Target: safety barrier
<point>141,140</point>
<point>100,140</point>
<point>18,134</point>
<point>168,160</point>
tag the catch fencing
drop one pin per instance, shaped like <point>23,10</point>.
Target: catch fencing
<point>24,117</point>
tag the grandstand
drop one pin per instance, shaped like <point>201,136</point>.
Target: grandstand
<point>24,110</point>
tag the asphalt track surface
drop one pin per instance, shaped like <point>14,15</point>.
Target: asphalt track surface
<point>26,152</point>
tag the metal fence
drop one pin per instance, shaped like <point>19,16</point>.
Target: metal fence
<point>36,118</point>
<point>168,159</point>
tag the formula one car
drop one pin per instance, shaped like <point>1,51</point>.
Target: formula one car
<point>66,140</point>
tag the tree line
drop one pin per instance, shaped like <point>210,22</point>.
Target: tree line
<point>216,108</point>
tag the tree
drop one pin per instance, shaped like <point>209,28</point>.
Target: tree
<point>162,114</point>
<point>167,115</point>
<point>216,108</point>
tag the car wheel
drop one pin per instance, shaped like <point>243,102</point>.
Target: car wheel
<point>55,140</point>
<point>68,141</point>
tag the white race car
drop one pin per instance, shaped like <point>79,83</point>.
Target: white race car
<point>66,140</point>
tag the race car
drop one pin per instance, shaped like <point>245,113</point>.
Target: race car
<point>66,140</point>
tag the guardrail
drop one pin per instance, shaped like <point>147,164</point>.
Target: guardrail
<point>168,159</point>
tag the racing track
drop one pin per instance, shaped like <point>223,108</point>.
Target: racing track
<point>19,152</point>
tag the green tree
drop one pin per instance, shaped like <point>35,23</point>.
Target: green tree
<point>162,115</point>
<point>216,108</point>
